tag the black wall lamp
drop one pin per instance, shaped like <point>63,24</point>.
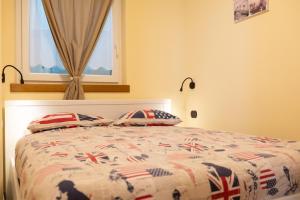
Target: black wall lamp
<point>192,84</point>
<point>3,74</point>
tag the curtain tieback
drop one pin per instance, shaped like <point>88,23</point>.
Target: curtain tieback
<point>75,77</point>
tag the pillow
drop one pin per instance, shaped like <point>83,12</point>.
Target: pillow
<point>66,120</point>
<point>147,117</point>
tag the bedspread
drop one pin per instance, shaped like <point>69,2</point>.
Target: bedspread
<point>143,163</point>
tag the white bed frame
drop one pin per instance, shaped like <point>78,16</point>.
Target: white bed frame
<point>18,114</point>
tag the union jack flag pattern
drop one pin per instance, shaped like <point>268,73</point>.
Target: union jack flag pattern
<point>92,156</point>
<point>224,184</point>
<point>147,117</point>
<point>193,147</point>
<point>150,114</point>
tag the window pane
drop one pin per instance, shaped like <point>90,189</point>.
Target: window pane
<point>44,57</point>
<point>101,61</point>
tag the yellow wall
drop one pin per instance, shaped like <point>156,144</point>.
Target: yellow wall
<point>1,137</point>
<point>153,65</point>
<point>248,74</point>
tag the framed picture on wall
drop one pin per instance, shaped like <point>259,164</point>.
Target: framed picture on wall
<point>244,9</point>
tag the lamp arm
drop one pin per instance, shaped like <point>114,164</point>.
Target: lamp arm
<point>192,81</point>
<point>3,74</point>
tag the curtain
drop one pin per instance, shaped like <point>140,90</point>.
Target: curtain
<point>76,25</point>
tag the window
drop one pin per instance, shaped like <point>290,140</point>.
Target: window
<point>39,57</point>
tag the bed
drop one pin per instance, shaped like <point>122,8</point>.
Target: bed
<point>142,162</point>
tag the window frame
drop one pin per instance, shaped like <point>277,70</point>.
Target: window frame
<point>22,45</point>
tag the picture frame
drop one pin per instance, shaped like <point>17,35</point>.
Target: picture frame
<point>244,9</point>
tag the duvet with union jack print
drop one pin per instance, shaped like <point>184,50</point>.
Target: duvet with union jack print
<point>161,163</point>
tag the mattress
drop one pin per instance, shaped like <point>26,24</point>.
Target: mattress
<point>164,163</point>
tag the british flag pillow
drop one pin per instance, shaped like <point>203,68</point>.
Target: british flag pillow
<point>147,117</point>
<point>66,120</point>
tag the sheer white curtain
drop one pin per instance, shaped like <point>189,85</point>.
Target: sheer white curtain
<point>44,56</point>
<point>43,53</point>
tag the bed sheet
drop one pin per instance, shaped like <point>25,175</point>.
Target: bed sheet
<point>160,163</point>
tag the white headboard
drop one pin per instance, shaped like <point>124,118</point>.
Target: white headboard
<point>18,114</point>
